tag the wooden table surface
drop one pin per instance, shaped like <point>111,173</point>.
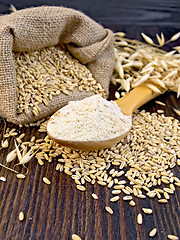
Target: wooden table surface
<point>58,210</point>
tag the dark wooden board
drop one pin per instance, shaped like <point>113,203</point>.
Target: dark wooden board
<point>58,210</point>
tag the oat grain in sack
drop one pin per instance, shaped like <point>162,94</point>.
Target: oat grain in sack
<point>34,29</point>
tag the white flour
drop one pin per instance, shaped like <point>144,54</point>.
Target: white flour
<point>91,119</point>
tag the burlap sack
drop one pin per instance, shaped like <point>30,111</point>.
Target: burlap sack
<point>35,28</point>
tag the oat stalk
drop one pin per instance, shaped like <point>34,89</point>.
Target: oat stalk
<point>12,170</point>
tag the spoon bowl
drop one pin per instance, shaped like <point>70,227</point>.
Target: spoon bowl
<point>89,145</point>
<point>128,104</point>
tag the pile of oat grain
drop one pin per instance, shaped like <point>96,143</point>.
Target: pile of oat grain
<point>145,158</point>
<point>48,72</point>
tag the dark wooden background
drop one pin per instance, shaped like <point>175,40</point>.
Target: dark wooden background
<point>59,210</point>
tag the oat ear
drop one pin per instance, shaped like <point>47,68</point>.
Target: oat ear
<point>18,151</point>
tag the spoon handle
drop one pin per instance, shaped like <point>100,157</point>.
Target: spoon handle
<point>136,98</point>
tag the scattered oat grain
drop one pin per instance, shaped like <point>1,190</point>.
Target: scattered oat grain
<point>81,188</point>
<point>172,237</point>
<point>153,232</point>
<point>116,191</point>
<point>21,216</point>
<point>75,237</point>
<point>22,176</point>
<point>163,201</point>
<point>45,180</point>
<point>3,179</point>
<point>127,198</point>
<point>160,103</point>
<point>94,196</point>
<point>114,199</point>
<point>147,210</point>
<point>132,203</point>
<point>139,218</point>
<point>109,210</point>
<point>40,162</point>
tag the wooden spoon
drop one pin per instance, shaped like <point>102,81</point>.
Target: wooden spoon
<point>128,104</point>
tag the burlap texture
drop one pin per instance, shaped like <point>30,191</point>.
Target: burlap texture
<point>34,28</point>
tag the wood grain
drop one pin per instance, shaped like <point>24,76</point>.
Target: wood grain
<point>58,210</point>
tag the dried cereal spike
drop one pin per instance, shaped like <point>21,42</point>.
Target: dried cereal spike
<point>119,69</point>
<point>12,8</point>
<point>177,111</point>
<point>171,74</point>
<point>24,150</point>
<point>158,82</point>
<point>4,144</point>
<point>6,135</point>
<point>11,156</point>
<point>177,48</point>
<point>21,216</point>
<point>153,232</point>
<point>12,170</point>
<point>18,151</point>
<point>27,157</point>
<point>75,237</point>
<point>147,39</point>
<point>175,37</point>
<point>153,88</point>
<point>161,39</point>
<point>141,80</point>
<point>160,103</point>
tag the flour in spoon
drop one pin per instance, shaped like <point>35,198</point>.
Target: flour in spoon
<point>91,119</point>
